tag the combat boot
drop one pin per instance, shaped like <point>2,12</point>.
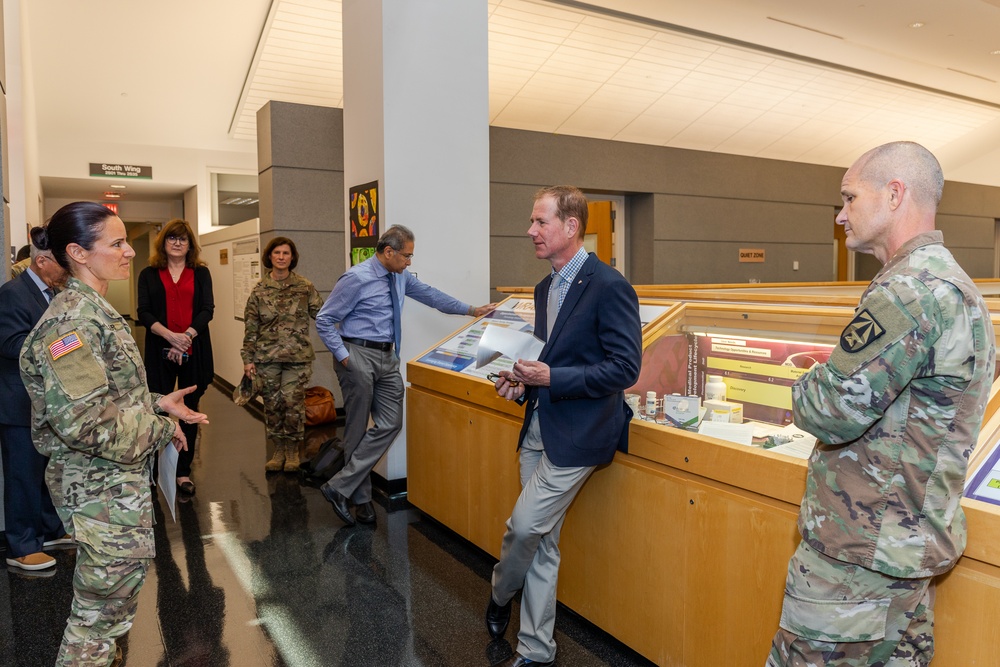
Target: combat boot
<point>292,458</point>
<point>277,462</point>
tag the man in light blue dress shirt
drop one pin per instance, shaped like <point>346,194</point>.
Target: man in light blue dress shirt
<point>360,325</point>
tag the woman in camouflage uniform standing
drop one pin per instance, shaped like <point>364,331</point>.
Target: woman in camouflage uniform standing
<point>276,346</point>
<point>93,416</point>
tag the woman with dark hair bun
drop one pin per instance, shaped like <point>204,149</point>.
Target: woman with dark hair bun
<point>175,304</point>
<point>276,345</point>
<point>92,415</point>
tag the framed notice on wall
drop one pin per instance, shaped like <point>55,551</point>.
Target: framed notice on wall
<point>365,222</point>
<point>246,274</point>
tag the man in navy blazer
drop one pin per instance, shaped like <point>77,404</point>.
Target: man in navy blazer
<point>576,415</point>
<point>30,521</point>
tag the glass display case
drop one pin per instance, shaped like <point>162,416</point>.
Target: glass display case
<point>983,480</point>
<point>756,351</point>
<point>458,352</point>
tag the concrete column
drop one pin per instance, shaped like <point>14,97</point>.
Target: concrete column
<point>416,119</point>
<point>300,159</point>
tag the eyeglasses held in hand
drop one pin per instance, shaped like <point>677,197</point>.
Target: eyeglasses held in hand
<point>494,377</point>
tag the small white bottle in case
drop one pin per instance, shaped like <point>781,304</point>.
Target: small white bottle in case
<point>650,405</point>
<point>715,388</point>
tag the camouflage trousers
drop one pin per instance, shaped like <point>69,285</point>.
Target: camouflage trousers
<point>105,599</point>
<point>107,507</point>
<point>838,614</point>
<point>284,394</point>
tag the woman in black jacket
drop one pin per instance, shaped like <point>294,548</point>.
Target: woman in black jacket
<point>175,304</point>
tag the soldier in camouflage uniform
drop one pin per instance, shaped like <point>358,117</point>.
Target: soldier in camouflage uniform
<point>18,268</point>
<point>93,416</point>
<point>276,346</point>
<point>900,402</point>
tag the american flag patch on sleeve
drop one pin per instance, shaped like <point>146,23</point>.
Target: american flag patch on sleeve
<point>65,345</point>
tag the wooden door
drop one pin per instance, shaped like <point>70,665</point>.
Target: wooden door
<point>600,230</point>
<point>840,237</point>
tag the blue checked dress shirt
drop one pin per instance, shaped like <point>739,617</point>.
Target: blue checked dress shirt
<point>568,273</point>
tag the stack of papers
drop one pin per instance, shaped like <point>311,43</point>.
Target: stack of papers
<point>499,341</point>
<point>167,476</point>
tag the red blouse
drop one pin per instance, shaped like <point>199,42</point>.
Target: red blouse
<point>180,299</point>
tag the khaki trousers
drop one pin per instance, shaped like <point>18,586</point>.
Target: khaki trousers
<point>529,557</point>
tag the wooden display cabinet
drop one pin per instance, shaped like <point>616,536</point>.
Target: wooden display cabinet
<point>679,548</point>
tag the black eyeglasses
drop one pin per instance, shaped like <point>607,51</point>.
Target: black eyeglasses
<point>171,238</point>
<point>494,377</point>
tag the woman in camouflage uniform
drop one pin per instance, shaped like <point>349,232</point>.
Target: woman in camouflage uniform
<point>93,416</point>
<point>276,346</point>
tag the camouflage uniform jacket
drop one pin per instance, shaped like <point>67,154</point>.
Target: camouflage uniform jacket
<point>277,320</point>
<point>92,414</point>
<point>900,402</point>
<point>18,269</point>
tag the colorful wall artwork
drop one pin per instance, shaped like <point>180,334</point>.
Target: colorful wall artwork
<point>364,221</point>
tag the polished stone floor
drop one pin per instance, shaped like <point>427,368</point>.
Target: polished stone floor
<point>257,570</point>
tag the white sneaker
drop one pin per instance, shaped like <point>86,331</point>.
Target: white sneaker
<point>59,541</point>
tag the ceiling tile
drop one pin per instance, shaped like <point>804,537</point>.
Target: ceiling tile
<point>597,123</point>
<point>748,142</point>
<point>613,96</point>
<point>675,106</point>
<point>543,116</point>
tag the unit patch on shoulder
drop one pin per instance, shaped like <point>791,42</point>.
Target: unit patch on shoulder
<point>863,330</point>
<point>60,347</point>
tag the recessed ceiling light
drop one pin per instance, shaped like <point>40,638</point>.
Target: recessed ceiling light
<point>239,201</point>
<point>917,24</point>
<point>995,53</point>
<point>118,187</point>
<point>112,195</point>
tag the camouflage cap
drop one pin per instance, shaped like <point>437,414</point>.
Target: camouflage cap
<point>247,389</point>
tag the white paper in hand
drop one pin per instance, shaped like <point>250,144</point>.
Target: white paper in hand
<point>499,341</point>
<point>167,478</point>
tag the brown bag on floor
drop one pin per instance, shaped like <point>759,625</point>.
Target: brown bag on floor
<point>320,407</point>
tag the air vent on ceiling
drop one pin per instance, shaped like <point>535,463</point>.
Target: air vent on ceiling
<point>803,27</point>
<point>975,76</point>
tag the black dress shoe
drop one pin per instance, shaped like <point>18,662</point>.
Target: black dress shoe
<point>518,660</point>
<point>365,513</point>
<point>340,504</point>
<point>497,618</point>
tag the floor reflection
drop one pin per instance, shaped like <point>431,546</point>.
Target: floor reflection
<point>39,605</point>
<point>378,625</point>
<point>192,609</point>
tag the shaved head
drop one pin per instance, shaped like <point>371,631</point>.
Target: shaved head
<point>909,162</point>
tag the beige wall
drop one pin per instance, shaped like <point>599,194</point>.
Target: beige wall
<point>227,330</point>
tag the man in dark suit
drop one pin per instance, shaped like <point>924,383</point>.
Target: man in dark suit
<point>576,415</point>
<point>31,523</point>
